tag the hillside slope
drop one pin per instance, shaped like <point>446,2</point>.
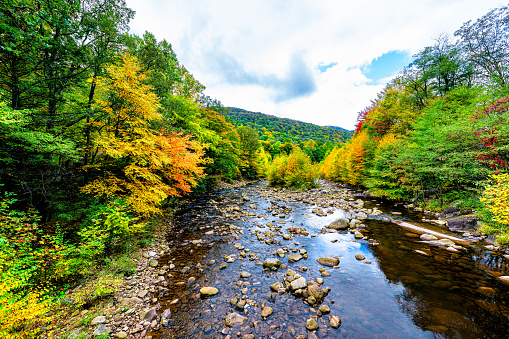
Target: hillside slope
<point>275,129</point>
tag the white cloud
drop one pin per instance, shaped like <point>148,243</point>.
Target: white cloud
<point>262,55</point>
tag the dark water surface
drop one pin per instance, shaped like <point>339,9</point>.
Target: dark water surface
<point>401,294</point>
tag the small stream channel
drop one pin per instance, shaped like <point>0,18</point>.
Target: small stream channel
<point>396,293</point>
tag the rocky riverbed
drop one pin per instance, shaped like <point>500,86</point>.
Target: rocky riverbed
<point>259,262</point>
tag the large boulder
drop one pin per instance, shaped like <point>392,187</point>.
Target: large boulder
<point>459,220</point>
<point>462,224</point>
<point>329,261</point>
<point>340,224</point>
<point>298,284</point>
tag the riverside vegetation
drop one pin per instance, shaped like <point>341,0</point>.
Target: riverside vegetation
<point>101,131</point>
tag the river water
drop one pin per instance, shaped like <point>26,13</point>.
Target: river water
<point>395,292</point>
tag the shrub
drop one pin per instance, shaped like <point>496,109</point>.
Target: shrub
<point>495,208</point>
<point>293,170</point>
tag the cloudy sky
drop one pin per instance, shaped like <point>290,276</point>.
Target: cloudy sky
<point>318,61</point>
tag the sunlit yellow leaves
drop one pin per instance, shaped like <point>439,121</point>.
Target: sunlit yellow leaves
<point>496,198</point>
<point>136,162</point>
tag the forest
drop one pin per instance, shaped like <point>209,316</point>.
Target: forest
<point>438,134</point>
<point>102,130</point>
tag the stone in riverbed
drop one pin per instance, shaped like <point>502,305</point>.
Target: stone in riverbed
<point>267,311</point>
<point>245,274</point>
<point>311,325</point>
<point>153,262</point>
<point>428,237</point>
<point>329,261</point>
<point>208,291</point>
<point>234,318</point>
<point>294,257</point>
<point>276,286</point>
<point>324,309</point>
<point>271,262</point>
<point>334,321</point>
<point>360,257</point>
<point>298,283</point>
<point>340,224</point>
<point>504,279</point>
<point>315,291</point>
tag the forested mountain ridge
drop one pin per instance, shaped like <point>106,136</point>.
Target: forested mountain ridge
<point>273,129</point>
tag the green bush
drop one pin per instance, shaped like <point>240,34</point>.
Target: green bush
<point>293,170</point>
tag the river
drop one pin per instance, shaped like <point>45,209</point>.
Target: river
<point>397,287</point>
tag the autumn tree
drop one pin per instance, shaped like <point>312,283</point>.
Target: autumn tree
<point>135,162</point>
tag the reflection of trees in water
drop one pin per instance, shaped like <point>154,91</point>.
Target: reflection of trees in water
<point>442,289</point>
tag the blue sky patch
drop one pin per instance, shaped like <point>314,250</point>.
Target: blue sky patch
<point>386,65</point>
<point>324,68</point>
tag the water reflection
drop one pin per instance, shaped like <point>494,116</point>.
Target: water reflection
<point>400,294</point>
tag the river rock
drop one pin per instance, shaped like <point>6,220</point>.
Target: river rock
<point>267,311</point>
<point>340,224</point>
<point>245,274</point>
<point>271,262</point>
<point>311,325</point>
<point>487,291</point>
<point>208,291</point>
<point>234,318</point>
<point>276,286</point>
<point>120,335</point>
<point>294,257</point>
<point>102,330</point>
<point>298,284</point>
<point>360,257</point>
<point>98,320</point>
<point>462,324</point>
<point>324,309</point>
<point>428,237</point>
<point>354,223</point>
<point>334,321</point>
<point>315,291</point>
<point>504,279</point>
<point>153,262</point>
<point>329,261</point>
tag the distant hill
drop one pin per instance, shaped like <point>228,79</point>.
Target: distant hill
<point>275,129</point>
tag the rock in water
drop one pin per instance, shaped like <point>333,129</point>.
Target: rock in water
<point>428,237</point>
<point>340,224</point>
<point>334,321</point>
<point>208,291</point>
<point>311,325</point>
<point>271,262</point>
<point>245,274</point>
<point>315,291</point>
<point>234,318</point>
<point>298,283</point>
<point>267,311</point>
<point>324,309</point>
<point>294,257</point>
<point>360,257</point>
<point>329,261</point>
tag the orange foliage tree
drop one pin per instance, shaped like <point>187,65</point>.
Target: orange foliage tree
<point>135,161</point>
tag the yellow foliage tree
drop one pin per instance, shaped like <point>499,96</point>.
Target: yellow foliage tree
<point>135,161</point>
<point>496,200</point>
